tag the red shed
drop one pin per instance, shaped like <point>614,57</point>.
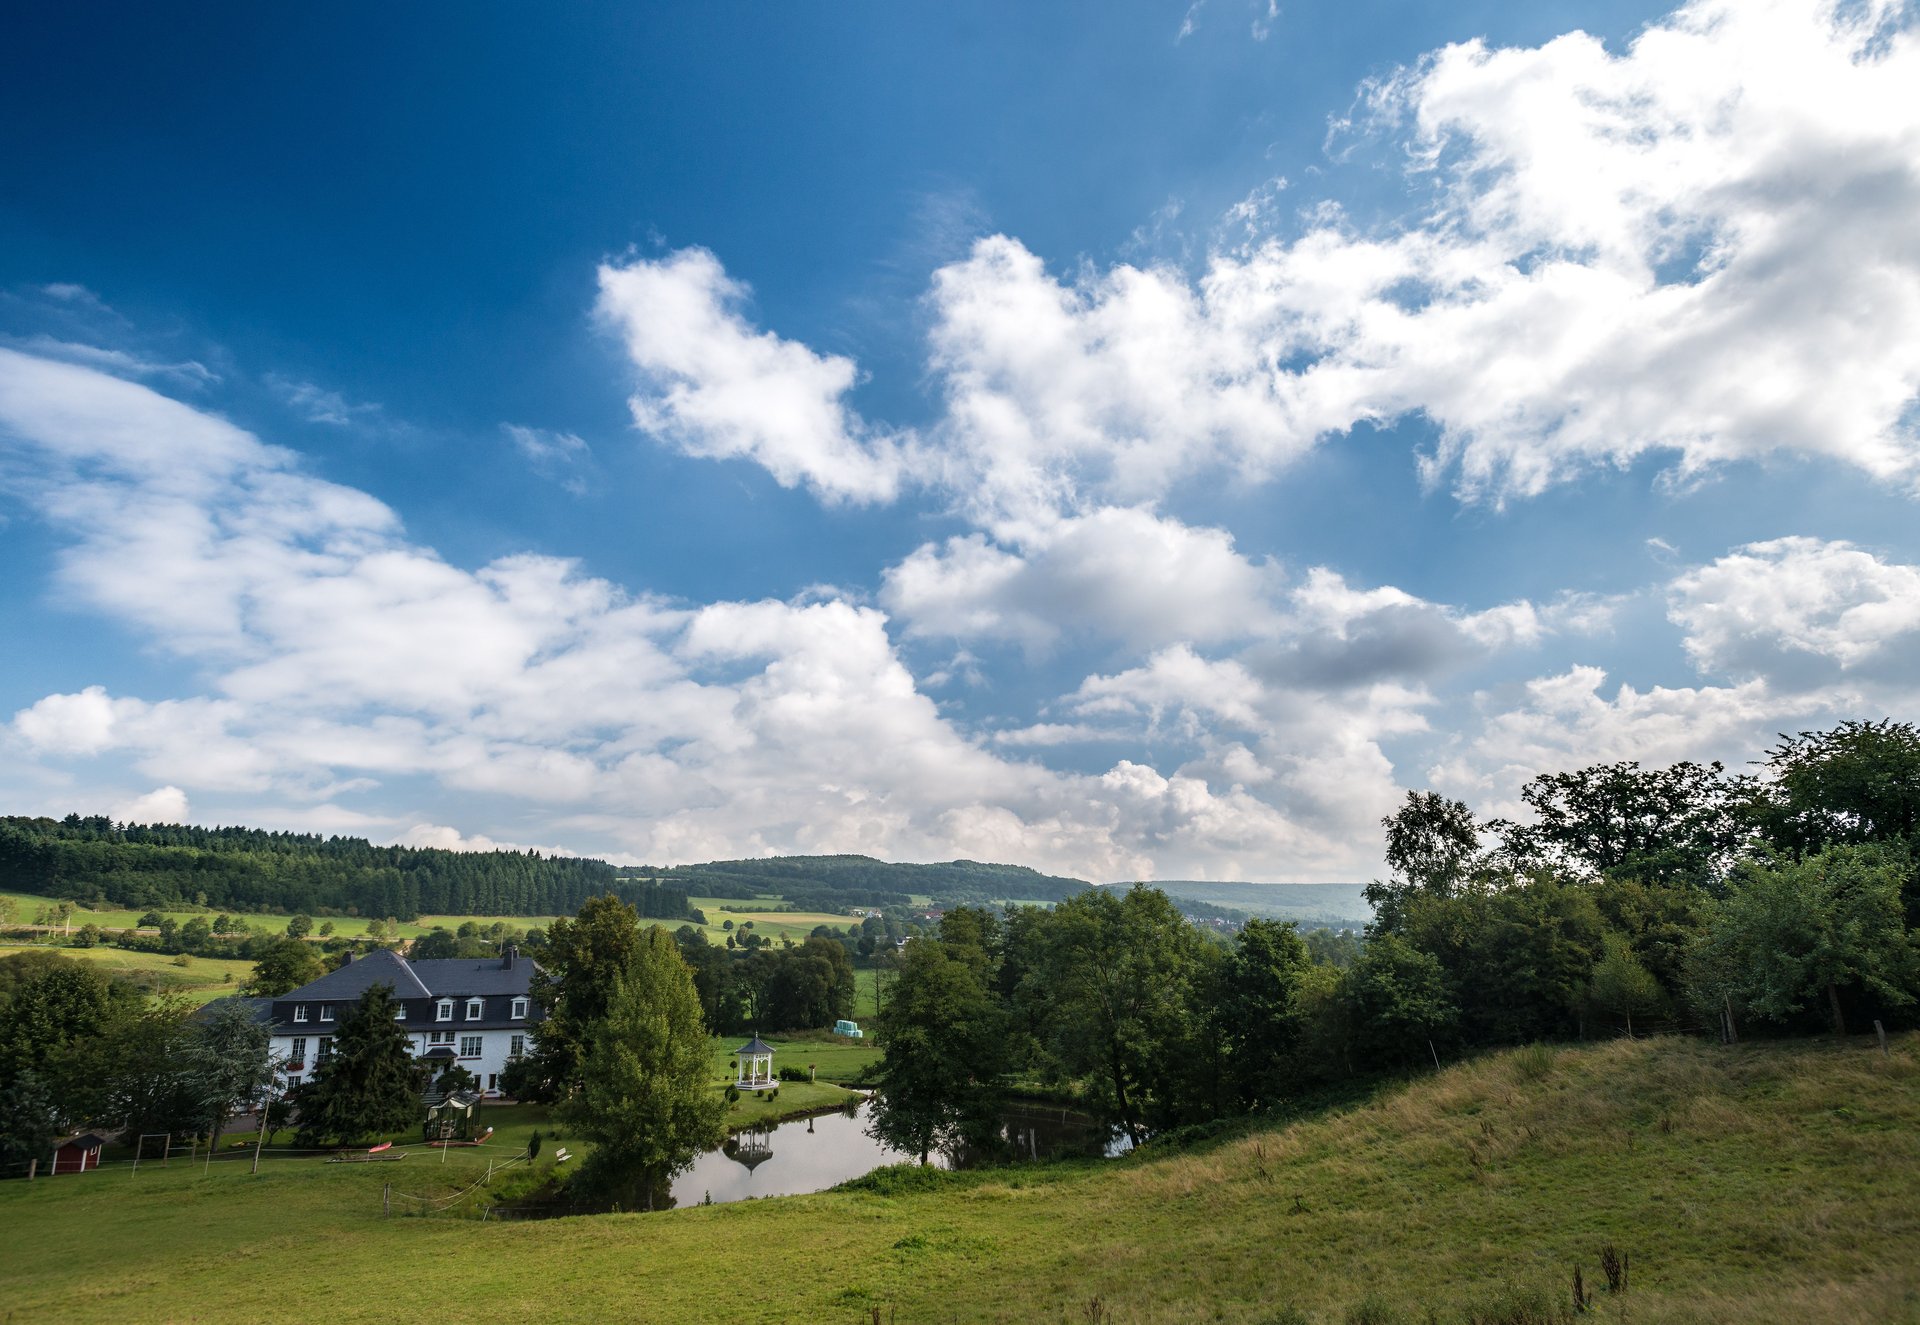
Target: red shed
<point>77,1154</point>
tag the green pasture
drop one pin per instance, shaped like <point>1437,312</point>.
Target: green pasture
<point>200,980</point>
<point>1767,1183</point>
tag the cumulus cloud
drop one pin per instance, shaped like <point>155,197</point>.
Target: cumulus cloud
<point>162,805</point>
<point>1799,611</point>
<point>715,386</point>
<point>340,656</point>
<point>1788,634</point>
<point>1120,573</point>
<point>1698,248</point>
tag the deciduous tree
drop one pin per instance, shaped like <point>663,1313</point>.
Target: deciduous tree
<point>643,1096</point>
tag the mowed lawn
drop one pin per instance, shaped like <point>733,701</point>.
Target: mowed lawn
<point>200,980</point>
<point>1764,1183</point>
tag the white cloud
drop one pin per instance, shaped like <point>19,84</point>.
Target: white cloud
<point>341,657</point>
<point>81,724</point>
<point>1799,611</point>
<point>562,456</point>
<point>1699,248</point>
<point>1120,573</point>
<point>162,805</point>
<point>714,386</point>
<point>318,404</point>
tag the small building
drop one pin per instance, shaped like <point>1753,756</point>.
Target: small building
<point>77,1154</point>
<point>755,1059</point>
<point>850,1029</point>
<point>450,1117</point>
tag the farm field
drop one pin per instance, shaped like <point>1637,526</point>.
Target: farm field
<point>1472,1194</point>
<point>201,980</point>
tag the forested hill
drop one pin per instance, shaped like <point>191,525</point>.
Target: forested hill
<point>833,882</point>
<point>1318,903</point>
<point>92,860</point>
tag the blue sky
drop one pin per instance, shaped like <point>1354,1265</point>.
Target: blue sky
<point>1137,440</point>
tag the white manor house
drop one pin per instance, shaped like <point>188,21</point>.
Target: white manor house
<point>478,1012</point>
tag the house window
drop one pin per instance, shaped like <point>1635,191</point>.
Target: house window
<point>293,1083</point>
<point>399,1011</point>
<point>469,1046</point>
<point>519,1009</point>
<point>440,1037</point>
<point>326,1048</point>
<point>443,1010</point>
<point>298,1054</point>
<point>517,1047</point>
<point>326,1012</point>
<point>299,1011</point>
<point>473,1009</point>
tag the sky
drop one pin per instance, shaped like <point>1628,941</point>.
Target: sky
<point>1136,440</point>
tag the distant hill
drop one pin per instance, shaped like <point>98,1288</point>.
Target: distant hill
<point>836,882</point>
<point>1312,903</point>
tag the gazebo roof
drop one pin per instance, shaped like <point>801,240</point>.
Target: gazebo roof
<point>753,1048</point>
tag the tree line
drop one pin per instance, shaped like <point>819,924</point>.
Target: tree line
<point>1629,899</point>
<point>138,866</point>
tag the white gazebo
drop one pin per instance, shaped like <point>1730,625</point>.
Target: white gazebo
<point>755,1058</point>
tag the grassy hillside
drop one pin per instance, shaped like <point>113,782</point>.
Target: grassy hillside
<point>1768,1183</point>
<point>200,980</point>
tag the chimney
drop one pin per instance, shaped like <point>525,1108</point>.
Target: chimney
<point>512,951</point>
<point>349,960</point>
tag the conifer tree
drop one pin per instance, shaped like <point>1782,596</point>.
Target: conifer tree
<point>369,1085</point>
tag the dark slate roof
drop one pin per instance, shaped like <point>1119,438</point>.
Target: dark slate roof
<point>754,1046</point>
<point>261,1008</point>
<point>456,976</point>
<point>379,967</point>
<point>86,1141</point>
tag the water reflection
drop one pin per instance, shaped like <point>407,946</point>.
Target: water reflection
<point>813,1154</point>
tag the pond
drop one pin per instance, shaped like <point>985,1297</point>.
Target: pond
<point>813,1154</point>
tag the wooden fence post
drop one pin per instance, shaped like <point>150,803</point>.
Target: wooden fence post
<point>33,1169</point>
<point>1881,1031</point>
<point>386,1200</point>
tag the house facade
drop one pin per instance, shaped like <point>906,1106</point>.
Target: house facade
<point>477,1012</point>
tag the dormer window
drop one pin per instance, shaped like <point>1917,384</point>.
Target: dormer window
<point>443,1010</point>
<point>519,1009</point>
<point>299,1011</point>
<point>326,1012</point>
<point>399,1011</point>
<point>473,1009</point>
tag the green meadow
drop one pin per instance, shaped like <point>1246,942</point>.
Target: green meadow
<point>196,979</point>
<point>1770,1183</point>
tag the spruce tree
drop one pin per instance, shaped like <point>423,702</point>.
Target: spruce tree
<point>369,1085</point>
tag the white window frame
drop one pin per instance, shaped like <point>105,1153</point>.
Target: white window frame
<point>476,1008</point>
<point>299,1011</point>
<point>400,1011</point>
<point>439,1037</point>
<point>517,1047</point>
<point>478,1043</point>
<point>298,1052</point>
<point>443,1010</point>
<point>326,1012</point>
<point>519,1009</point>
<point>324,1050</point>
